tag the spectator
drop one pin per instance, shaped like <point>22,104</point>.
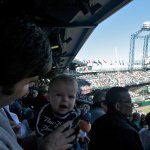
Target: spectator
<point>25,56</point>
<point>145,133</point>
<point>62,96</point>
<point>142,121</point>
<point>113,129</point>
<point>99,107</point>
<point>136,118</point>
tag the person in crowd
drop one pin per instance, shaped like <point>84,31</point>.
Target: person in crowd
<point>23,112</point>
<point>84,108</point>
<point>84,103</point>
<point>62,97</point>
<point>142,121</point>
<point>29,99</point>
<point>99,107</point>
<point>84,98</point>
<point>145,133</point>
<point>113,129</point>
<point>25,56</point>
<point>135,121</point>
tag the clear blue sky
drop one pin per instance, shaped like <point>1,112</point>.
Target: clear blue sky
<point>114,33</point>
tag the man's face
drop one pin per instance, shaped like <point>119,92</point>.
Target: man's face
<point>20,89</point>
<point>125,104</point>
<point>62,97</point>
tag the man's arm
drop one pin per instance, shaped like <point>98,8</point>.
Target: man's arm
<point>3,146</point>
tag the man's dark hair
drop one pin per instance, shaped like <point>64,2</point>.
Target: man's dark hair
<point>113,95</point>
<point>25,52</point>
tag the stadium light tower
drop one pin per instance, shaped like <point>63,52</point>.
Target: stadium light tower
<point>134,36</point>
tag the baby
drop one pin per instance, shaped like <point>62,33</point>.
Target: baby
<point>62,97</point>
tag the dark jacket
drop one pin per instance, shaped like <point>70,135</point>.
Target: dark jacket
<point>96,112</point>
<point>113,132</point>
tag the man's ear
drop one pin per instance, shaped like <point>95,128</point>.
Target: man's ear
<point>117,106</point>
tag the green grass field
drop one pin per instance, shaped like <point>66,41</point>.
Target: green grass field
<point>145,109</point>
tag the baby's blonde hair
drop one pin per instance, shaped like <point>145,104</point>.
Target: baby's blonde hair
<point>65,79</point>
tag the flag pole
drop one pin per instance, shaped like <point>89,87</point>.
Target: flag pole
<point>116,53</point>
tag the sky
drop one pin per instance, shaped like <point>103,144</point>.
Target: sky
<point>111,38</point>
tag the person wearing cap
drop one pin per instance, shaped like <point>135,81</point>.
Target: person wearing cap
<point>99,107</point>
<point>84,98</point>
<point>113,130</point>
<point>83,104</point>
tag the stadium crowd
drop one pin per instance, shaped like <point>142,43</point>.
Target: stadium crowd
<point>110,79</point>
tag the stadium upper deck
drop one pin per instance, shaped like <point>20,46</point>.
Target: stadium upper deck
<point>109,78</point>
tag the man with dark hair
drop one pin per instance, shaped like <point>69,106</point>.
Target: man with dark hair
<point>99,107</point>
<point>113,130</point>
<point>28,54</point>
<point>25,56</point>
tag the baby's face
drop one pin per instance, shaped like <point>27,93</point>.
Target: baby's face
<point>62,97</point>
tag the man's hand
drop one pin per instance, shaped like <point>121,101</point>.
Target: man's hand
<point>58,139</point>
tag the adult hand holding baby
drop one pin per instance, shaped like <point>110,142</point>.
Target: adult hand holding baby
<point>58,139</point>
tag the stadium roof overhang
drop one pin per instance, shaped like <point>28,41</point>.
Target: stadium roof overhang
<point>68,23</point>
